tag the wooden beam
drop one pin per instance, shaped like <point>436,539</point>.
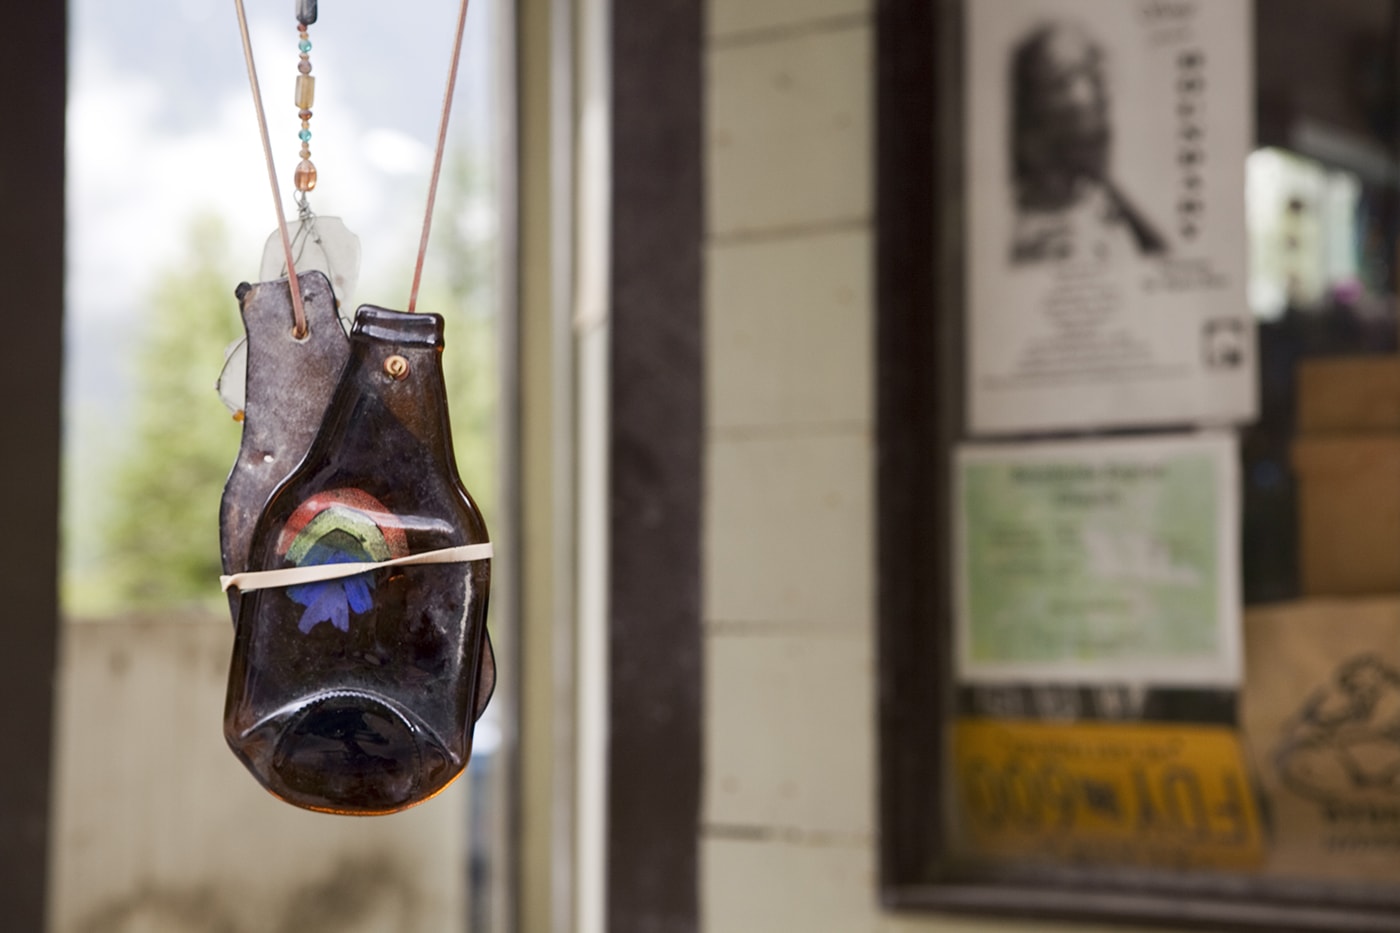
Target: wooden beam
<point>32,100</point>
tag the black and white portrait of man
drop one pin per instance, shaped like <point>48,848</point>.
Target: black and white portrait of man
<point>1102,185</point>
<point>1068,205</point>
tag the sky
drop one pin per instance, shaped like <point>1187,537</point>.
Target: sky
<point>162,129</point>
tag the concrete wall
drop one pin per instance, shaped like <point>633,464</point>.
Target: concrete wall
<point>159,829</point>
<point>788,828</point>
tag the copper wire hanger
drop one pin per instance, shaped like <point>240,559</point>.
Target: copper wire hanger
<point>299,329</point>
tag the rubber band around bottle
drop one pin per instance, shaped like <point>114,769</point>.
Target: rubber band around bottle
<point>249,581</point>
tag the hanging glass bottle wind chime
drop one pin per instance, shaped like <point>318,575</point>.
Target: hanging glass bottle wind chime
<point>357,565</point>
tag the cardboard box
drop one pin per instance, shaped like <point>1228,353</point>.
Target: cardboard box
<point>1320,712</point>
<point>1348,514</point>
<point>1349,394</point>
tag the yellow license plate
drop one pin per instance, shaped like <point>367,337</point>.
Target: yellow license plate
<point>1161,795</point>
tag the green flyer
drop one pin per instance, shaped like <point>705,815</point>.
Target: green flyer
<point>1099,561</point>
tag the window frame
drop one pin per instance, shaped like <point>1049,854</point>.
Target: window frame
<point>33,94</point>
<point>919,419</point>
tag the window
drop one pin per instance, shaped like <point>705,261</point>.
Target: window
<point>1266,801</point>
<point>168,210</point>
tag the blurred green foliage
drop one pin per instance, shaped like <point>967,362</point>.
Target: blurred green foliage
<point>141,519</point>
<point>159,536</point>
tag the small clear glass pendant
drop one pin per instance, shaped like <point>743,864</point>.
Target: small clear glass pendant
<point>232,384</point>
<point>322,244</point>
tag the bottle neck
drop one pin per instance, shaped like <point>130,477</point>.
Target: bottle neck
<point>396,359</point>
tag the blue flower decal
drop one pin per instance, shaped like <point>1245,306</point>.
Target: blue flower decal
<point>332,600</point>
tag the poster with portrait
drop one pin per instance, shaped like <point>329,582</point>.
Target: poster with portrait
<point>1099,561</point>
<point>1106,253</point>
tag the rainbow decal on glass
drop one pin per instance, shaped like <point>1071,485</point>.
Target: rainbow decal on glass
<point>339,526</point>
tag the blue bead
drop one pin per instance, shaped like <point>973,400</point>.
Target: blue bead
<point>305,135</point>
<point>304,45</point>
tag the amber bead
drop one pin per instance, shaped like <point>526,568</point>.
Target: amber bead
<point>305,178</point>
<point>306,91</point>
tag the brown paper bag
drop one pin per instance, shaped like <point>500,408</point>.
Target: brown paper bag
<point>1321,716</point>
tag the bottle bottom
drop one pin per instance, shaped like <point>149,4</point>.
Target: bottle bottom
<point>348,752</point>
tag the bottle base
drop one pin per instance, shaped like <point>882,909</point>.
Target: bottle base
<point>347,752</point>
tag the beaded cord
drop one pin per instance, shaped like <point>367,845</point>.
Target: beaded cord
<point>304,178</point>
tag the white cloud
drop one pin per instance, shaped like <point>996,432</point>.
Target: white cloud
<point>135,182</point>
<point>396,153</point>
<point>141,166</point>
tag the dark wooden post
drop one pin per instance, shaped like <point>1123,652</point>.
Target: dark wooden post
<point>32,99</point>
<point>657,435</point>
